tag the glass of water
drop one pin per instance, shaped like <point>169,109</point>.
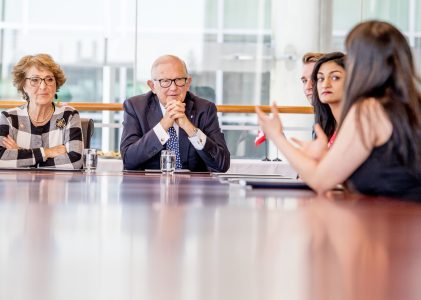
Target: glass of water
<point>90,159</point>
<point>167,161</point>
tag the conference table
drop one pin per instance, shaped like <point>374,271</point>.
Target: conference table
<point>121,235</point>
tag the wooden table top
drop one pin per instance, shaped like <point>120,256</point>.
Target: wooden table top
<point>134,236</point>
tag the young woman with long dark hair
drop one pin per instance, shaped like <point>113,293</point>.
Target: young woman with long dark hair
<point>328,89</point>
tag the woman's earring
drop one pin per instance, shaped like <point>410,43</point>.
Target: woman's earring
<point>55,96</point>
<point>25,96</point>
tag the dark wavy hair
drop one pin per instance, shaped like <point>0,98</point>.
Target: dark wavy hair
<point>322,112</point>
<point>380,66</point>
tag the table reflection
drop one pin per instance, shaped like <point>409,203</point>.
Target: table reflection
<point>71,236</point>
<point>30,186</point>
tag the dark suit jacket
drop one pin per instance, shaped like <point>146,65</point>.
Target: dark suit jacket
<point>140,147</point>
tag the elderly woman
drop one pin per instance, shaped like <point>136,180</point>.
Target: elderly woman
<point>39,133</point>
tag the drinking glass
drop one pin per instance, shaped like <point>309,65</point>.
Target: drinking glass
<point>90,160</point>
<point>167,161</point>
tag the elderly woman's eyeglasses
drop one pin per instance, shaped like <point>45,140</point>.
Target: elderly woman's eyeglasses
<point>165,83</point>
<point>36,81</point>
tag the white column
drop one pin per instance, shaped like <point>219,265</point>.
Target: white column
<point>108,85</point>
<point>295,26</point>
<point>219,87</point>
<point>298,27</point>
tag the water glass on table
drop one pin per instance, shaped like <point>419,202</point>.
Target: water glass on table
<point>90,160</point>
<point>167,161</point>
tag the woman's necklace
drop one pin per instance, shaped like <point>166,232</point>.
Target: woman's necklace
<point>34,120</point>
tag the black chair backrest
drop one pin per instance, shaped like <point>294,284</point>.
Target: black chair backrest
<point>87,131</point>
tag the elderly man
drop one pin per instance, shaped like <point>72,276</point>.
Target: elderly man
<point>170,117</point>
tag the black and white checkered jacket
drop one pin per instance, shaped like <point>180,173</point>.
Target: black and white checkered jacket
<point>64,128</point>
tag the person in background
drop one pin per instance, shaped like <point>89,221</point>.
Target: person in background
<point>171,117</point>
<point>328,79</point>
<point>309,60</point>
<point>38,133</point>
<point>378,146</point>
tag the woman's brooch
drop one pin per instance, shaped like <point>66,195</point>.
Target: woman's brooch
<point>60,123</point>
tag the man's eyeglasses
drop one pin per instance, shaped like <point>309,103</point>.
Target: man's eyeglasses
<point>165,83</point>
<point>36,81</point>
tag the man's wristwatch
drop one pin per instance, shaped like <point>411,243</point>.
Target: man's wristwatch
<point>194,132</point>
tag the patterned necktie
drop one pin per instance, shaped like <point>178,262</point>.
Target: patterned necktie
<point>172,144</point>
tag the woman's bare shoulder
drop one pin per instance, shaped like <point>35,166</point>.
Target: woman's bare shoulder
<point>375,122</point>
